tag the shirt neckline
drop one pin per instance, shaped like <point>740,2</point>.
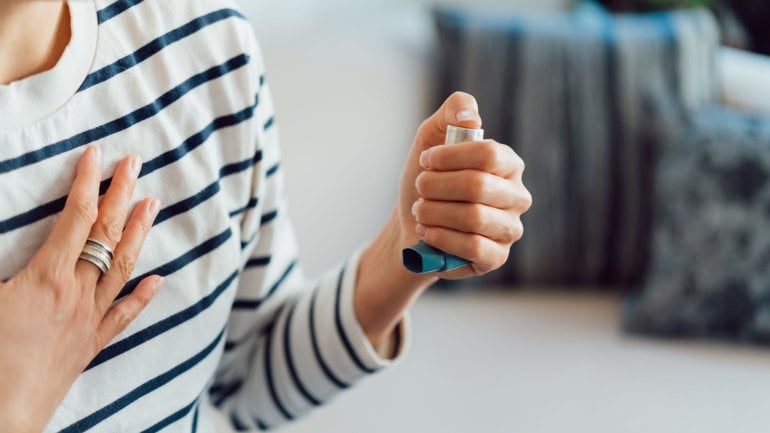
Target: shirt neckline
<point>33,98</point>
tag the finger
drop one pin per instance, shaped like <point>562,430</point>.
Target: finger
<point>126,254</point>
<point>483,253</point>
<point>496,224</point>
<point>470,186</point>
<point>80,210</point>
<point>120,315</point>
<point>488,156</point>
<point>111,218</point>
<point>459,109</point>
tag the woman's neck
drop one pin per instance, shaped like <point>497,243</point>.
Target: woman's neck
<point>34,34</point>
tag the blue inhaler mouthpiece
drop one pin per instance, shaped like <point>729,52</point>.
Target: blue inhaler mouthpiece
<point>423,258</point>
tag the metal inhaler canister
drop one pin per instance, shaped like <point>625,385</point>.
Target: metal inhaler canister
<point>423,258</point>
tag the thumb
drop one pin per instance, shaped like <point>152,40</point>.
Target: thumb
<point>459,109</point>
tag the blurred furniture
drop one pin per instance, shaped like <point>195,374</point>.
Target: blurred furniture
<point>745,80</point>
<point>710,271</point>
<point>583,98</point>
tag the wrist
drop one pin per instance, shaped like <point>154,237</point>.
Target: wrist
<point>15,420</point>
<point>385,289</point>
<point>27,405</point>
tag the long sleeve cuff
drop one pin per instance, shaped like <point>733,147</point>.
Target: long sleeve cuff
<point>360,343</point>
<point>342,342</point>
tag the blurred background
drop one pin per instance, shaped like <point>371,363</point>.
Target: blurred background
<point>639,299</point>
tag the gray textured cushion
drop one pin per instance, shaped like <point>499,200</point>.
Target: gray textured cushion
<point>577,96</point>
<point>710,272</point>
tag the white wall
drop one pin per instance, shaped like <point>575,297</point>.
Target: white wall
<point>351,82</point>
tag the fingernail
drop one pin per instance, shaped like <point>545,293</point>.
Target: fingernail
<point>136,165</point>
<point>464,115</point>
<point>414,207</point>
<point>157,283</point>
<point>153,208</point>
<point>97,152</point>
<point>425,158</point>
<point>421,230</point>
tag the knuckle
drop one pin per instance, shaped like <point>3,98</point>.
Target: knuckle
<point>490,263</point>
<point>125,266</point>
<point>508,233</point>
<point>57,286</point>
<point>143,299</point>
<point>86,211</point>
<point>476,217</point>
<point>500,260</point>
<point>126,189</point>
<point>432,235</point>
<point>55,279</point>
<point>60,288</point>
<point>527,199</point>
<point>477,185</point>
<point>518,162</point>
<point>123,318</point>
<point>141,226</point>
<point>517,230</point>
<point>521,198</point>
<point>476,248</point>
<point>490,153</point>
<point>111,229</point>
<point>64,294</point>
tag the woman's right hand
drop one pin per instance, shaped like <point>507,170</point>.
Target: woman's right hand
<point>58,312</point>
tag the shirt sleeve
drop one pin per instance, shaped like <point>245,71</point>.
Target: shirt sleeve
<point>292,343</point>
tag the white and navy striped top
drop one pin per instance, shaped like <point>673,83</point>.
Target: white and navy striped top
<point>236,333</point>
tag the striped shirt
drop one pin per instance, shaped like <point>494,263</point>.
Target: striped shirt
<point>236,333</point>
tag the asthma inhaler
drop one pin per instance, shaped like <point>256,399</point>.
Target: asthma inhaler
<point>423,258</point>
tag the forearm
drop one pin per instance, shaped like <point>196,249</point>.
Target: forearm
<point>384,288</point>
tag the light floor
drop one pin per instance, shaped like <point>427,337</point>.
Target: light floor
<point>549,363</point>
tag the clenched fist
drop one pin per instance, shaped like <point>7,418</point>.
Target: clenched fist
<point>466,199</point>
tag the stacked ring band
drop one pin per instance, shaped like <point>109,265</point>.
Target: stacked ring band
<point>97,254</point>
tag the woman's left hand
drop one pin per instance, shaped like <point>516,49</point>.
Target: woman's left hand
<point>465,199</point>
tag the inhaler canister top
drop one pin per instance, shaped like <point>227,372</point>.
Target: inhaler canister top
<point>456,134</point>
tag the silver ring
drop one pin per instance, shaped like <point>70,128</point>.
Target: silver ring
<point>98,254</point>
<point>100,245</point>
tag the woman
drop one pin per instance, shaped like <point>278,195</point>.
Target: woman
<point>236,333</point>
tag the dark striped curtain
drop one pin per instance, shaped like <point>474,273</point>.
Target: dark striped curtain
<point>587,99</point>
